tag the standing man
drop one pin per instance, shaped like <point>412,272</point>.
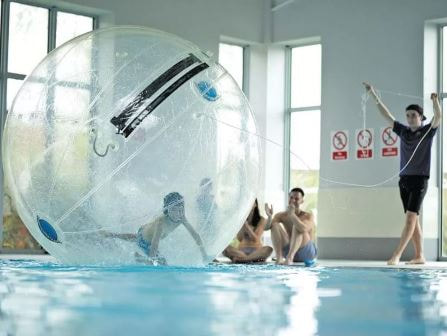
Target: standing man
<point>415,153</point>
<point>293,231</point>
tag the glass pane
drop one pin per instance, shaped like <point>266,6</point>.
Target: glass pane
<point>71,104</point>
<point>231,57</point>
<point>68,27</point>
<point>28,37</point>
<point>306,76</point>
<point>12,87</point>
<point>71,25</point>
<point>444,59</point>
<point>70,109</point>
<point>305,155</point>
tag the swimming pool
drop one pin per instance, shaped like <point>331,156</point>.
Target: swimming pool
<point>42,298</point>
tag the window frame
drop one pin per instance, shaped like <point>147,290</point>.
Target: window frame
<point>4,42</point>
<point>289,110</point>
<point>245,63</point>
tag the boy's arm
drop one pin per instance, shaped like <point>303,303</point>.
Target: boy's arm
<point>436,121</point>
<point>156,238</point>
<point>380,105</point>
<point>196,237</point>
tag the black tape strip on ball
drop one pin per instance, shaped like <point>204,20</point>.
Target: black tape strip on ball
<point>162,97</point>
<point>121,121</point>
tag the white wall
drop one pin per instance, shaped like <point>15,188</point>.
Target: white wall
<point>381,41</point>
<point>200,21</point>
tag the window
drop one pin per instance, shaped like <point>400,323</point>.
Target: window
<point>71,25</point>
<point>28,33</point>
<point>232,58</point>
<point>303,121</point>
<point>306,76</point>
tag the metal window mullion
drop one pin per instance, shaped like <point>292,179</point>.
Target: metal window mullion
<point>4,42</point>
<point>31,3</point>
<point>305,108</point>
<point>13,75</point>
<point>37,79</point>
<point>306,44</point>
<point>51,92</point>
<point>52,23</point>
<point>287,120</point>
<point>245,69</point>
<point>95,24</point>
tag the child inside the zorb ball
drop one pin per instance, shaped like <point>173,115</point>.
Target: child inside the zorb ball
<point>149,235</point>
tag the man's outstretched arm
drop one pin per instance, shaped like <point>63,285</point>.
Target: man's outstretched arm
<point>380,105</point>
<point>436,121</point>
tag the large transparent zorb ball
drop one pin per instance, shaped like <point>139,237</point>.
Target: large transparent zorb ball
<point>108,125</point>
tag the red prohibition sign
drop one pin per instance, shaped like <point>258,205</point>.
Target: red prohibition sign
<point>339,140</point>
<point>364,138</point>
<point>389,138</point>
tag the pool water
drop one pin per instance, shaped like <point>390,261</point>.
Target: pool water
<point>41,298</point>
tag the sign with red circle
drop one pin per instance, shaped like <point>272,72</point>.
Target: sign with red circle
<point>364,138</point>
<point>339,145</point>
<point>339,140</point>
<point>389,142</point>
<point>389,138</point>
<point>365,143</point>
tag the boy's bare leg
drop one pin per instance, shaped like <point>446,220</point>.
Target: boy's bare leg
<point>418,245</point>
<point>407,232</point>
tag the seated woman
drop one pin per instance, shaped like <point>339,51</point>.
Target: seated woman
<point>250,248</point>
<point>149,235</point>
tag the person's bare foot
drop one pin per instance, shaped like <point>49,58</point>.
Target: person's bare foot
<point>288,262</point>
<point>416,261</point>
<point>394,260</point>
<point>280,261</point>
<point>238,260</point>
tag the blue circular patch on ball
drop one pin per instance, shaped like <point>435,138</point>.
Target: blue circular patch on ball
<point>207,91</point>
<point>47,230</point>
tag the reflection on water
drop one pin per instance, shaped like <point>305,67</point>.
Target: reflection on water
<point>50,299</point>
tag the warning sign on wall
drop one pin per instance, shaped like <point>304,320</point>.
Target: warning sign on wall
<point>364,143</point>
<point>389,146</point>
<point>339,145</point>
